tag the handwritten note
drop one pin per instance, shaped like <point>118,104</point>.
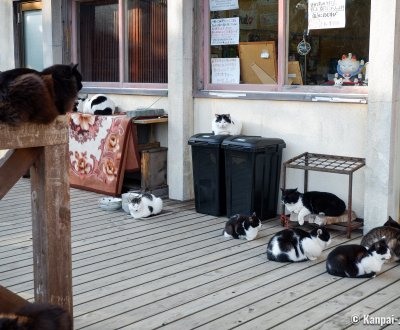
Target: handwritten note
<point>326,14</point>
<point>223,5</point>
<point>225,31</point>
<point>225,70</point>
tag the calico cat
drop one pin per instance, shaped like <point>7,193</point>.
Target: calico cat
<point>295,244</point>
<point>27,95</point>
<point>224,124</point>
<point>390,235</point>
<point>312,202</point>
<point>99,104</point>
<point>36,316</point>
<point>145,205</point>
<point>242,226</point>
<point>356,260</point>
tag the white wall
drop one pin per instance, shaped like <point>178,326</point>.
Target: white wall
<point>328,128</point>
<point>6,36</point>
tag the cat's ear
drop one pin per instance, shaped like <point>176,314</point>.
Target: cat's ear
<point>216,115</point>
<point>254,214</point>
<point>319,231</point>
<point>73,66</point>
<point>282,189</point>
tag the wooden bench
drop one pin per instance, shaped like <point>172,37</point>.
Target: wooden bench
<point>44,150</point>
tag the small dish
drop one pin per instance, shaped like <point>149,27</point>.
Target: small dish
<point>110,203</point>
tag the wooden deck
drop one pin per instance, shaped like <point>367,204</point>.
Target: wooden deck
<point>177,271</point>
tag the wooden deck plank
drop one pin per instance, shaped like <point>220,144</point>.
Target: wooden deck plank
<point>365,305</point>
<point>222,301</point>
<point>178,271</point>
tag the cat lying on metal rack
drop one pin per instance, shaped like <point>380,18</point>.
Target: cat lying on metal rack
<point>312,202</point>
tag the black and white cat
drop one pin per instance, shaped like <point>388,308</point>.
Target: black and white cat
<point>242,226</point>
<point>224,124</point>
<point>391,236</point>
<point>356,260</point>
<point>98,104</point>
<point>312,202</point>
<point>295,244</point>
<point>145,205</point>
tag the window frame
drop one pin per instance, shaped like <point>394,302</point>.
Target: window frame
<point>120,87</point>
<point>279,91</point>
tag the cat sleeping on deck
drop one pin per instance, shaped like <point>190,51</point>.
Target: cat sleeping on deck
<point>27,95</point>
<point>355,260</point>
<point>312,202</point>
<point>242,226</point>
<point>144,205</point>
<point>390,233</point>
<point>293,245</point>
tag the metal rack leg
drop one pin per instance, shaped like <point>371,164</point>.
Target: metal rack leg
<point>349,206</point>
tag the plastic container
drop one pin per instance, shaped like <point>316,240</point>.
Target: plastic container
<point>208,173</point>
<point>252,173</point>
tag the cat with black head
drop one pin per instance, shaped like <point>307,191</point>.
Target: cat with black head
<point>388,233</point>
<point>36,316</point>
<point>242,226</point>
<point>312,202</point>
<point>27,95</point>
<point>355,260</point>
<point>144,205</point>
<point>225,124</point>
<point>295,244</point>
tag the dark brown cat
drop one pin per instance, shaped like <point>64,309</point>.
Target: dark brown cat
<point>36,316</point>
<point>28,95</point>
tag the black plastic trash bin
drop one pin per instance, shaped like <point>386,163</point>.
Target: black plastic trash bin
<point>208,173</point>
<point>252,173</point>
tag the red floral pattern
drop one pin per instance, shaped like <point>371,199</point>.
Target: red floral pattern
<point>97,145</point>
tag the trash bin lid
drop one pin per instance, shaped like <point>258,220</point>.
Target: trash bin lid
<point>207,139</point>
<point>252,143</point>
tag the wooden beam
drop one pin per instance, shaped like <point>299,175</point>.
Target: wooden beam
<point>30,135</point>
<point>15,167</point>
<point>10,302</point>
<point>51,227</point>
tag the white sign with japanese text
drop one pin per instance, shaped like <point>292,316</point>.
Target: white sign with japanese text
<point>225,31</point>
<point>225,70</point>
<point>326,14</point>
<point>216,5</point>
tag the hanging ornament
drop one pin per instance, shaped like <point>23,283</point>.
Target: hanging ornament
<point>303,48</point>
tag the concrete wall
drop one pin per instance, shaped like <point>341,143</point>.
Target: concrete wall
<point>6,36</point>
<point>329,128</point>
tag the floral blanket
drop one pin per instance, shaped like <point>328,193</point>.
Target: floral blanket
<point>101,150</point>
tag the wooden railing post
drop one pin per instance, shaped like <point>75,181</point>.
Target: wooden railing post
<point>46,147</point>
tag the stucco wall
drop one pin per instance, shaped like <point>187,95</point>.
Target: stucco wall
<point>335,129</point>
<point>6,36</point>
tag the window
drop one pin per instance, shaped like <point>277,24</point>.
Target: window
<point>29,31</point>
<point>286,45</point>
<point>122,43</point>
